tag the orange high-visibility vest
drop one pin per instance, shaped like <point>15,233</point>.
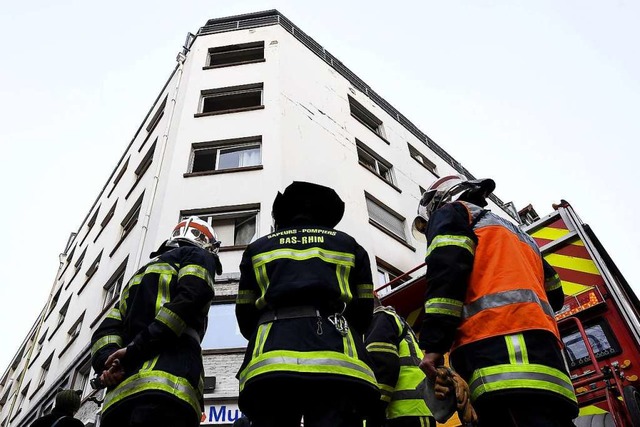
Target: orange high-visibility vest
<point>505,294</point>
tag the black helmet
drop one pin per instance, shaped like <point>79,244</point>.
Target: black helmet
<point>320,204</point>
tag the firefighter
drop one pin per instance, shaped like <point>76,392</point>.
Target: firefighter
<point>305,300</point>
<point>147,350</point>
<point>490,300</point>
<point>67,404</point>
<point>395,355</point>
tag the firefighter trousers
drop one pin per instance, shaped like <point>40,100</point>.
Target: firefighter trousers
<point>149,414</point>
<point>411,422</point>
<point>520,415</point>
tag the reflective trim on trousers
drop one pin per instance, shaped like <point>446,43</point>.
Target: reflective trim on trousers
<point>321,362</point>
<point>501,299</point>
<point>154,380</point>
<point>506,377</point>
<point>517,349</point>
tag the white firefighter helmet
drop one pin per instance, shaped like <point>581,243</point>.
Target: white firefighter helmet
<point>197,232</point>
<point>445,190</point>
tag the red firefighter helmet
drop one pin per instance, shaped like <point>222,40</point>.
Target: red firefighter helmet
<point>197,232</point>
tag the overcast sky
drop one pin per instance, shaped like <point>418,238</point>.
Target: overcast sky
<point>541,95</point>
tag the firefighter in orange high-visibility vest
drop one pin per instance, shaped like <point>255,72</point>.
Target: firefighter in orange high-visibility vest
<point>490,300</point>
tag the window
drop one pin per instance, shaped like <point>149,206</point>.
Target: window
<point>365,117</point>
<point>62,313</point>
<point>422,159</point>
<point>54,300</point>
<point>45,369</point>
<point>386,219</point>
<point>114,285</point>
<point>118,177</point>
<point>157,116</point>
<point>376,164</point>
<point>39,345</point>
<point>90,224</point>
<point>68,261</point>
<point>143,167</point>
<point>131,219</point>
<point>233,227</point>
<point>601,338</point>
<point>223,331</point>
<point>77,266</point>
<point>386,273</point>
<point>231,99</point>
<point>106,220</point>
<point>23,395</point>
<point>236,54</point>
<point>94,266</point>
<point>74,331</point>
<point>81,380</point>
<point>226,154</point>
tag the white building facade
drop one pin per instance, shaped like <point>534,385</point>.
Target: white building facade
<point>253,105</point>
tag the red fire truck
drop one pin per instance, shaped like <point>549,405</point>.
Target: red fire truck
<point>599,323</point>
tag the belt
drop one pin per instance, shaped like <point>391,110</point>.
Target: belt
<point>294,312</point>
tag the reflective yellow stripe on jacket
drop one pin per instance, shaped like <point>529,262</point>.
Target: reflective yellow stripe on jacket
<point>343,261</point>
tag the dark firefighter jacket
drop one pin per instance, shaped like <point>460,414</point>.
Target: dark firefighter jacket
<point>492,297</point>
<point>161,318</point>
<point>396,357</point>
<point>315,272</point>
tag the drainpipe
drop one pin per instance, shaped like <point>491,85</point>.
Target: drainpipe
<point>163,148</point>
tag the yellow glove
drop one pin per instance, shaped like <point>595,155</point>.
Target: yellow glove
<point>448,382</point>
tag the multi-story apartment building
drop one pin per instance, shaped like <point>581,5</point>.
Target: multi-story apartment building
<point>253,104</point>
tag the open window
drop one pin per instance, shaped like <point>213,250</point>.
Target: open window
<point>375,163</point>
<point>236,227</point>
<point>230,99</point>
<point>422,159</point>
<point>366,117</point>
<point>237,54</point>
<point>226,155</point>
<point>223,331</point>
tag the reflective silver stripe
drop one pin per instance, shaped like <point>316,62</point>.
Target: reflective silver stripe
<point>302,254</point>
<point>246,297</point>
<point>452,240</point>
<point>514,348</point>
<point>197,271</point>
<point>114,314</point>
<point>342,274</point>
<point>300,361</point>
<point>552,283</point>
<point>501,299</point>
<point>163,296</point>
<point>349,345</point>
<point>105,341</point>
<point>160,268</point>
<point>157,381</point>
<point>447,306</point>
<point>417,393</point>
<point>522,379</point>
<point>365,291</point>
<point>171,320</point>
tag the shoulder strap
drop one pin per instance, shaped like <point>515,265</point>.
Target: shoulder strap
<point>478,218</point>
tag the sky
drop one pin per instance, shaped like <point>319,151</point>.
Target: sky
<point>541,95</point>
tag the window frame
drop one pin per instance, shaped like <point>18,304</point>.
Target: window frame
<point>230,91</point>
<point>231,49</point>
<point>107,218</point>
<point>129,222</point>
<point>230,301</point>
<point>143,167</point>
<point>367,118</point>
<point>223,144</point>
<point>112,283</point>
<point>44,370</point>
<point>119,176</point>
<point>423,160</point>
<point>228,212</point>
<point>363,149</point>
<point>388,270</point>
<point>380,226</point>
